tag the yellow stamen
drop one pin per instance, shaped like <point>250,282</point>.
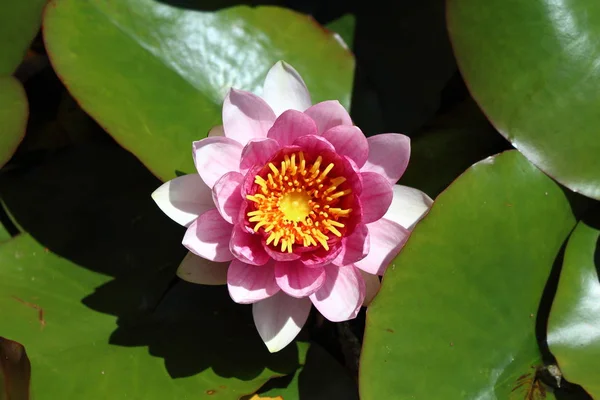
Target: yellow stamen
<point>298,204</point>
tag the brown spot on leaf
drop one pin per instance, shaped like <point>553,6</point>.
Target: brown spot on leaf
<point>390,330</point>
<point>211,392</point>
<point>39,309</point>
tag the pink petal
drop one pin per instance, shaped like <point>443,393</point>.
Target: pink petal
<point>216,131</point>
<point>246,116</point>
<point>247,247</point>
<point>408,206</point>
<point>328,114</point>
<point>290,125</point>
<point>376,196</point>
<point>321,257</point>
<point>388,155</point>
<point>314,144</point>
<point>342,294</point>
<point>349,141</point>
<point>279,319</point>
<point>284,89</point>
<point>216,156</point>
<point>208,237</point>
<point>227,195</point>
<point>258,152</point>
<point>196,269</point>
<point>250,283</point>
<point>297,280</point>
<point>184,198</point>
<point>372,285</point>
<point>355,247</point>
<point>353,174</point>
<point>278,255</point>
<point>387,238</point>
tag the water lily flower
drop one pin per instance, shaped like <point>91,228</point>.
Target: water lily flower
<point>292,206</point>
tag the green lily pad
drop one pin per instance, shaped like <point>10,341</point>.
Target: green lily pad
<point>154,76</point>
<point>345,27</point>
<point>19,22</point>
<point>75,354</point>
<point>531,66</point>
<point>13,116</point>
<point>455,317</point>
<point>574,324</point>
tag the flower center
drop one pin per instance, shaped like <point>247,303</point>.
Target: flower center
<point>299,203</point>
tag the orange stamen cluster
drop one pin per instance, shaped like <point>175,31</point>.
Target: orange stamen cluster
<point>297,203</point>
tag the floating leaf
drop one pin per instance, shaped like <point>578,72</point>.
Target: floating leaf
<point>154,76</point>
<point>574,324</point>
<point>19,22</point>
<point>455,317</point>
<point>13,116</point>
<point>532,67</point>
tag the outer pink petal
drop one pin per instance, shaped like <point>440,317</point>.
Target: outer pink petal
<point>388,155</point>
<point>216,156</point>
<point>250,283</point>
<point>354,247</point>
<point>258,152</point>
<point>376,196</point>
<point>196,269</point>
<point>297,280</point>
<point>279,319</point>
<point>246,116</point>
<point>227,196</point>
<point>208,237</point>
<point>342,294</point>
<point>184,198</point>
<point>290,125</point>
<point>349,141</point>
<point>284,89</point>
<point>247,247</point>
<point>387,238</point>
<point>328,114</point>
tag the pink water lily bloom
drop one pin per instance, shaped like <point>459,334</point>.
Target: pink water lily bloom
<point>292,206</point>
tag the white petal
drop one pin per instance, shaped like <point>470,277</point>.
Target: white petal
<point>409,205</point>
<point>372,284</point>
<point>279,319</point>
<point>184,198</point>
<point>284,89</point>
<point>196,269</point>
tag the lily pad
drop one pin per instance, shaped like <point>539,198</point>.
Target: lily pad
<point>19,22</point>
<point>116,321</point>
<point>70,348</point>
<point>455,316</point>
<point>155,76</point>
<point>532,67</point>
<point>574,324</point>
<point>13,116</point>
